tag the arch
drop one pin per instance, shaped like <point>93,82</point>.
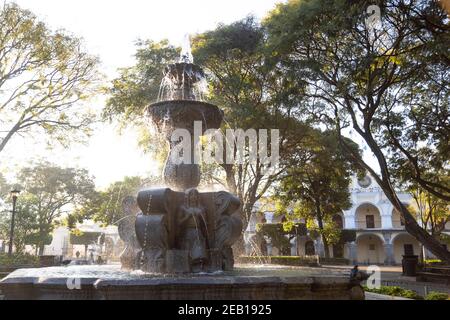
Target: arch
<point>338,250</point>
<point>397,220</point>
<point>338,221</point>
<point>368,216</point>
<point>310,249</point>
<point>402,243</point>
<point>370,249</point>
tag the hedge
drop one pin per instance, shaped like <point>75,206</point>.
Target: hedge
<point>437,296</point>
<point>396,292</point>
<point>7,261</point>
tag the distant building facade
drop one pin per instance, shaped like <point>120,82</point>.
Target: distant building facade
<point>109,247</point>
<point>380,233</point>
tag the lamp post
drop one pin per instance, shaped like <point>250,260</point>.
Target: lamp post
<point>14,195</point>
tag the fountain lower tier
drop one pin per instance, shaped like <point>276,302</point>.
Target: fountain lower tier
<point>110,283</point>
<point>181,232</point>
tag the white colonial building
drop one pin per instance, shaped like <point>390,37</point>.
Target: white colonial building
<point>110,247</point>
<point>380,234</point>
<point>62,246</point>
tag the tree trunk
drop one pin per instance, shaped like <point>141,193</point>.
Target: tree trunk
<point>41,241</point>
<point>326,248</point>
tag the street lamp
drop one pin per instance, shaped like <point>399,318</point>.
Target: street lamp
<point>14,195</point>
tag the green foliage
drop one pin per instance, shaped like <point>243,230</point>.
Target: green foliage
<point>137,87</point>
<point>48,191</point>
<point>387,85</point>
<point>314,190</point>
<point>281,234</point>
<point>437,296</point>
<point>45,79</point>
<point>396,292</point>
<point>433,261</point>
<point>249,91</point>
<point>431,210</point>
<point>27,229</point>
<point>18,260</point>
<point>106,206</point>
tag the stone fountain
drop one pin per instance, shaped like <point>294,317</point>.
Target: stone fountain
<point>181,230</point>
<point>178,241</point>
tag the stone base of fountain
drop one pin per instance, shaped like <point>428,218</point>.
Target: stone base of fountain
<point>110,283</point>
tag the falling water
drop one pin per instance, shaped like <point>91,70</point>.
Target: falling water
<point>186,51</point>
<point>183,80</point>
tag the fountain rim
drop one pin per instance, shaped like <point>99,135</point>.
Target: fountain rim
<point>183,101</point>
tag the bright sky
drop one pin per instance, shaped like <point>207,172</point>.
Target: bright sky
<point>110,28</point>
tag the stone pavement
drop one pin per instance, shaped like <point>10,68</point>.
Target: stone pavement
<point>376,296</point>
<point>392,276</point>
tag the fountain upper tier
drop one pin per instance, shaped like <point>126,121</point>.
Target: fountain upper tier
<point>183,81</point>
<point>181,114</point>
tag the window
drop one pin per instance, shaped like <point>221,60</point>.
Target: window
<point>370,222</point>
<point>372,247</point>
<point>337,219</point>
<point>309,248</point>
<point>409,249</point>
<point>338,251</point>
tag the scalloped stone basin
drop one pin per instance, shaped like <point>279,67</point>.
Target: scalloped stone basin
<point>244,283</point>
<point>181,114</point>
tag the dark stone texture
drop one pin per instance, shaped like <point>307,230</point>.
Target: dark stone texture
<point>177,261</point>
<point>205,225</point>
<point>222,287</point>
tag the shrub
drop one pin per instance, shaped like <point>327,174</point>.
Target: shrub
<point>433,261</point>
<point>395,292</point>
<point>437,296</point>
<point>7,261</point>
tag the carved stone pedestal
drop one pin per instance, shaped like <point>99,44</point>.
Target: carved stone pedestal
<point>177,261</point>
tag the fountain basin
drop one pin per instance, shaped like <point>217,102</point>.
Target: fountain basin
<point>181,114</point>
<point>244,283</point>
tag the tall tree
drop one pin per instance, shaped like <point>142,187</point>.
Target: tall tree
<point>53,191</point>
<point>136,88</point>
<point>316,183</point>
<point>45,77</point>
<point>383,82</point>
<point>433,212</point>
<point>26,228</point>
<point>254,95</point>
<point>250,93</point>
